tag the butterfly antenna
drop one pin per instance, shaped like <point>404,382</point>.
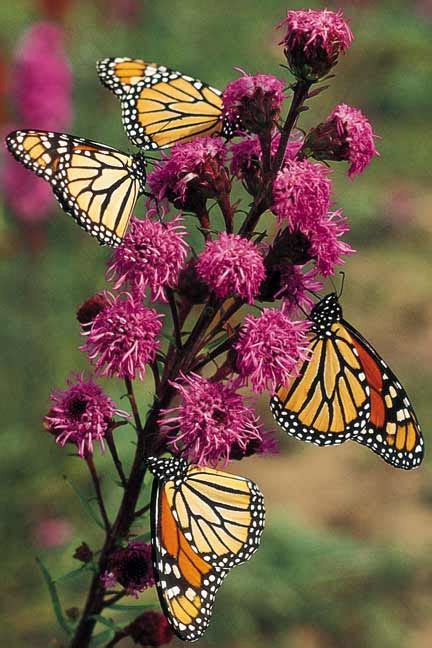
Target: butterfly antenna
<point>342,273</point>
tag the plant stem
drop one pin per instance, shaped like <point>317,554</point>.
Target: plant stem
<point>175,317</point>
<point>116,458</point>
<point>134,407</point>
<point>98,491</point>
<point>227,211</point>
<point>301,90</point>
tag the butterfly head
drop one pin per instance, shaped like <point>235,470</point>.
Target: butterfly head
<point>326,312</point>
<point>167,469</point>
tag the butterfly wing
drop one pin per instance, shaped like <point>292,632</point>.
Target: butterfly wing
<point>328,402</point>
<point>393,431</point>
<point>160,106</point>
<point>202,527</point>
<point>95,184</point>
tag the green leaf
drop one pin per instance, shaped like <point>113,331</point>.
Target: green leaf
<point>72,574</point>
<point>85,503</point>
<point>102,638</point>
<point>127,608</point>
<point>55,600</point>
<point>144,537</point>
<point>109,623</point>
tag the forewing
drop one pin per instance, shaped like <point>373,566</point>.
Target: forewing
<point>98,187</point>
<point>392,431</point>
<point>328,402</point>
<point>186,583</point>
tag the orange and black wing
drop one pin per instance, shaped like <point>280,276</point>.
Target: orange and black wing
<point>204,522</point>
<point>161,106</point>
<point>392,431</point>
<point>328,402</point>
<point>95,184</point>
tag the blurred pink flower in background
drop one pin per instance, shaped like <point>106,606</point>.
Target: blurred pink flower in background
<point>41,93</point>
<point>125,11</point>
<point>52,532</point>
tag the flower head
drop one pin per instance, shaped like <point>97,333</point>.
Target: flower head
<point>150,629</point>
<point>232,265</point>
<point>123,338</point>
<point>268,444</point>
<point>90,308</point>
<point>246,158</point>
<point>345,135</point>
<point>296,285</point>
<point>81,414</point>
<point>301,193</point>
<point>151,255</point>
<point>43,79</point>
<point>326,247</point>
<point>210,420</point>
<point>28,196</point>
<point>53,532</point>
<point>270,348</point>
<point>313,41</point>
<point>254,100</point>
<point>132,567</point>
<point>192,173</point>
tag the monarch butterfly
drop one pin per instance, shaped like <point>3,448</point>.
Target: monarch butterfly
<point>346,391</point>
<point>95,184</point>
<point>204,522</point>
<point>161,106</point>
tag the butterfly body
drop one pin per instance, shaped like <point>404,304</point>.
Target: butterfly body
<point>346,391</point>
<point>96,184</point>
<point>204,522</point>
<point>160,106</point>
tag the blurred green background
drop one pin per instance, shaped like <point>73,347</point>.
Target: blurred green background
<point>346,556</point>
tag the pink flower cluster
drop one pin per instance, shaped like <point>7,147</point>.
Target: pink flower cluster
<point>313,41</point>
<point>232,266</point>
<point>253,100</point>
<point>192,166</point>
<point>81,414</point>
<point>123,337</point>
<point>270,348</point>
<point>132,567</point>
<point>42,95</point>
<point>210,421</point>
<point>151,256</point>
<point>301,193</point>
<point>356,132</point>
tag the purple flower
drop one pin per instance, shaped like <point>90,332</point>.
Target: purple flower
<point>246,158</point>
<point>28,196</point>
<point>210,420</point>
<point>192,173</point>
<point>355,133</point>
<point>301,193</point>
<point>123,338</point>
<point>150,629</point>
<point>270,348</point>
<point>313,41</point>
<point>295,286</point>
<point>268,444</point>
<point>151,255</point>
<point>232,265</point>
<point>43,79</point>
<point>90,308</point>
<point>254,100</point>
<point>132,567</point>
<point>81,414</point>
<point>326,247</point>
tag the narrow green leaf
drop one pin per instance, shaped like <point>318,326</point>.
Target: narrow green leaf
<point>55,600</point>
<point>85,503</point>
<point>144,537</point>
<point>102,638</point>
<point>109,623</point>
<point>127,608</point>
<point>72,574</point>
